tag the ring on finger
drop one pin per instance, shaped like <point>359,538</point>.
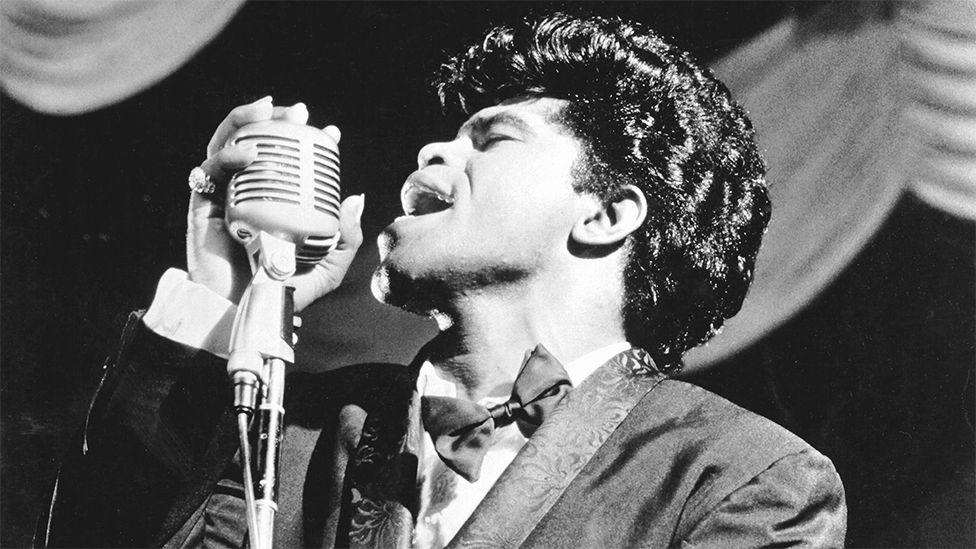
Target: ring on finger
<point>200,181</point>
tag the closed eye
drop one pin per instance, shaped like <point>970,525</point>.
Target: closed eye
<point>488,131</point>
<point>493,139</point>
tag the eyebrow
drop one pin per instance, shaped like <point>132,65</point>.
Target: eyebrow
<point>483,124</point>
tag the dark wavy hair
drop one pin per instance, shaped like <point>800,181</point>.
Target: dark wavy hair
<point>648,115</point>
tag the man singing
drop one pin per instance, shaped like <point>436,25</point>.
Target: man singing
<point>596,216</point>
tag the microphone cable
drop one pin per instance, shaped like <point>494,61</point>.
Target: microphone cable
<point>243,430</point>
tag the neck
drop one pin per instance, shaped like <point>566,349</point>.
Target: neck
<point>484,341</point>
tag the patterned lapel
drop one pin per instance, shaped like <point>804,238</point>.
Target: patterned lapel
<point>382,476</point>
<point>558,450</point>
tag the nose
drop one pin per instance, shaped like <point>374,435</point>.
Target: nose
<point>449,153</point>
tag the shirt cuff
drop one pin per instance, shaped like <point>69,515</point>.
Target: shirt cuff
<point>191,314</point>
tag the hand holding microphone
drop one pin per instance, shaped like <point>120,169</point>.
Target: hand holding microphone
<point>214,257</point>
<point>262,231</point>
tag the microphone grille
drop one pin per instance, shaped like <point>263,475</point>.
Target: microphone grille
<point>291,189</point>
<point>325,171</point>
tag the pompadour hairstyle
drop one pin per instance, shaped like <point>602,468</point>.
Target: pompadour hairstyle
<point>647,115</point>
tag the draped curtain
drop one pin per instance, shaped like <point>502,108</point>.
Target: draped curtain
<point>938,46</point>
<point>850,110</point>
<point>70,56</point>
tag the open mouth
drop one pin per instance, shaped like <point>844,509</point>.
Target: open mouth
<point>419,199</point>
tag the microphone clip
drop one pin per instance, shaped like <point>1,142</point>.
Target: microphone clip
<point>263,327</point>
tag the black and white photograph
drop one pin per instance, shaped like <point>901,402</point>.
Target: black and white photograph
<point>454,274</point>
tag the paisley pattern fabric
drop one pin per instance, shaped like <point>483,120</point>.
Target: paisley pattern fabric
<point>379,523</point>
<point>383,490</point>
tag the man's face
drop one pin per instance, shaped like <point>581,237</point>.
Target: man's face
<point>494,206</point>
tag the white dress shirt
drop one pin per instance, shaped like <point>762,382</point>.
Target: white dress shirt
<point>191,314</point>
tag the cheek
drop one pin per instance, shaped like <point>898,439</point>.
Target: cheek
<point>535,221</point>
<point>524,196</point>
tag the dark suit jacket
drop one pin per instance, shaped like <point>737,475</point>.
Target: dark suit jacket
<point>629,458</point>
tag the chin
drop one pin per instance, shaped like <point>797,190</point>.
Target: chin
<point>392,282</point>
<point>392,287</point>
<point>434,294</point>
<point>382,287</point>
<point>429,279</point>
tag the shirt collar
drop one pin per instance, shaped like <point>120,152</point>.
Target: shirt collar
<point>582,367</point>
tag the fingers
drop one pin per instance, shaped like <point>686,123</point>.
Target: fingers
<point>258,111</point>
<point>230,159</point>
<point>242,115</point>
<point>220,167</point>
<point>333,132</point>
<point>297,113</point>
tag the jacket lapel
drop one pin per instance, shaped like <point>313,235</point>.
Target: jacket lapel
<point>558,450</point>
<point>382,478</point>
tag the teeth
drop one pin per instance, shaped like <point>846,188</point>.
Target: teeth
<point>418,200</point>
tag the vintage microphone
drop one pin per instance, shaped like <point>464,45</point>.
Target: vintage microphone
<point>284,209</point>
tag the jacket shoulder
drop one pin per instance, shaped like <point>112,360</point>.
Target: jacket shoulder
<point>725,448</point>
<point>727,441</point>
<point>723,428</point>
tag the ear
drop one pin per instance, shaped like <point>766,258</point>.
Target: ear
<point>611,223</point>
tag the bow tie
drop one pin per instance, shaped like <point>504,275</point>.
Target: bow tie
<point>462,429</point>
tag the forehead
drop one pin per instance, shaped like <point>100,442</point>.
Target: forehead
<point>533,115</point>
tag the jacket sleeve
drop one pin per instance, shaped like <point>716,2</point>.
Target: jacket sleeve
<point>797,502</point>
<point>159,432</point>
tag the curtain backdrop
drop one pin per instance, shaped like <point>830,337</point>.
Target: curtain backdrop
<point>938,41</point>
<point>71,57</point>
<point>850,109</point>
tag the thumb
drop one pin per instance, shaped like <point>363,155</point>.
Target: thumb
<point>350,224</point>
<point>328,273</point>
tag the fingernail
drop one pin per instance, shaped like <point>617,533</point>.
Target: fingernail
<point>299,105</point>
<point>265,98</point>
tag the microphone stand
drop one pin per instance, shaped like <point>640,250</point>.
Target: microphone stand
<point>262,342</point>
